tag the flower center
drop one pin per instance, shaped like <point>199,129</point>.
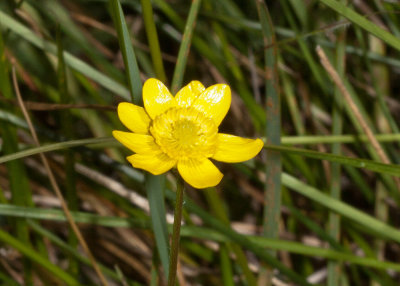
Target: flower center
<point>184,133</point>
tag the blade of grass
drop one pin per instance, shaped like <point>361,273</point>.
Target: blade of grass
<point>272,188</point>
<point>389,169</point>
<point>341,208</point>
<point>152,37</point>
<point>362,21</point>
<point>334,268</point>
<point>184,48</point>
<point>72,61</point>
<point>187,231</point>
<point>226,266</point>
<point>131,67</point>
<point>19,185</point>
<point>155,194</point>
<point>23,248</point>
<point>356,138</point>
<point>385,123</point>
<point>66,247</point>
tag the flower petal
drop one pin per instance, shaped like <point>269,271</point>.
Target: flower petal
<point>138,143</point>
<point>233,149</point>
<point>188,94</point>
<point>214,102</point>
<point>199,173</point>
<point>156,97</point>
<point>134,117</point>
<point>156,163</point>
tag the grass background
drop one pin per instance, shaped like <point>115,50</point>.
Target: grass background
<point>320,205</point>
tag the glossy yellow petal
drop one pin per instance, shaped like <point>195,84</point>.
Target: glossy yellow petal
<point>214,102</point>
<point>187,95</point>
<point>233,149</point>
<point>134,117</point>
<point>138,143</point>
<point>156,97</point>
<point>156,163</point>
<point>199,173</point>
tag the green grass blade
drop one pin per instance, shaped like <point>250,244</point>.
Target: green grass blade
<point>187,231</point>
<point>131,67</point>
<point>155,193</point>
<point>327,139</point>
<point>152,38</point>
<point>37,258</point>
<point>334,268</point>
<point>19,186</point>
<point>390,169</point>
<point>72,61</point>
<point>226,266</point>
<point>67,248</point>
<point>341,208</point>
<point>57,146</point>
<point>273,165</point>
<point>361,21</point>
<point>184,48</point>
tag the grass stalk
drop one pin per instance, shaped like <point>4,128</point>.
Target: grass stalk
<point>272,189</point>
<point>334,268</point>
<point>184,48</point>
<point>125,43</point>
<point>173,258</point>
<point>152,37</point>
<point>385,123</point>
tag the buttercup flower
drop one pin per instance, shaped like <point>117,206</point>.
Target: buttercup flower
<point>182,131</point>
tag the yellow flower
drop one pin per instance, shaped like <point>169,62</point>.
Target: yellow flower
<point>182,131</point>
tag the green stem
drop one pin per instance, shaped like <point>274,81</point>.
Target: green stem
<point>173,259</point>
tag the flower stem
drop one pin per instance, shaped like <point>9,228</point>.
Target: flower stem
<point>173,258</point>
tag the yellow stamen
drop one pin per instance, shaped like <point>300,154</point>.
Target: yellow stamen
<point>184,133</point>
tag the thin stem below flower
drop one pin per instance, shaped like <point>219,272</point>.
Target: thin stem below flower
<point>173,258</point>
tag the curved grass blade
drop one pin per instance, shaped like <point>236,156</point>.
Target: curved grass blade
<point>390,169</point>
<point>72,61</point>
<point>361,21</point>
<point>131,67</point>
<point>55,147</point>
<point>341,208</point>
<point>37,258</point>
